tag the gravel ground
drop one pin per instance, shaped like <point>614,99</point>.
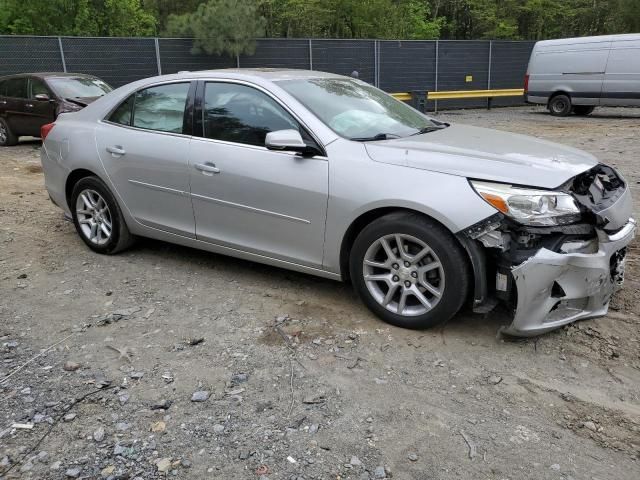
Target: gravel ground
<point>209,367</point>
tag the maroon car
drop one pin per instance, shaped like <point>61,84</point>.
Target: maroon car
<point>30,100</point>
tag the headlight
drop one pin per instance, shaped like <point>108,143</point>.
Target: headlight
<point>530,206</point>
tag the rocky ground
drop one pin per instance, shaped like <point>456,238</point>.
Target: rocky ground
<point>167,361</point>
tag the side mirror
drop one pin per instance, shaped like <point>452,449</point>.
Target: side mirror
<point>290,140</point>
<point>42,97</point>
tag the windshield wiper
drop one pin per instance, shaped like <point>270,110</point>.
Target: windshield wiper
<point>379,136</point>
<point>430,129</point>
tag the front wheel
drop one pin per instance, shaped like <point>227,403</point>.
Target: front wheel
<point>560,106</point>
<point>97,217</point>
<point>409,270</point>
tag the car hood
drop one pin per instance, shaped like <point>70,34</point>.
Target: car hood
<point>486,154</point>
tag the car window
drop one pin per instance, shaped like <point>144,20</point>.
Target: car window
<point>17,87</point>
<point>161,108</point>
<point>242,114</point>
<point>37,87</point>
<point>122,115</point>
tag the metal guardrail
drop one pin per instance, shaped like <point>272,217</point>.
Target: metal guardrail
<point>419,98</point>
<point>457,94</point>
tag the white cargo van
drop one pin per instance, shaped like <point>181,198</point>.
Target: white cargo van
<point>574,75</point>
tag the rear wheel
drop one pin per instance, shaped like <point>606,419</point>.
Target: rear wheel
<point>97,217</point>
<point>583,110</point>
<point>7,138</point>
<point>409,270</point>
<point>560,106</point>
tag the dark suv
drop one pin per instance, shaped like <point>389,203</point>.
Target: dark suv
<point>28,101</point>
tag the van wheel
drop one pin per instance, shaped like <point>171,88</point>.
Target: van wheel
<point>560,106</point>
<point>583,110</point>
<point>7,138</point>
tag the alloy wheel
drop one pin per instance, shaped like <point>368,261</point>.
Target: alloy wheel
<point>94,217</point>
<point>403,274</point>
<point>3,133</point>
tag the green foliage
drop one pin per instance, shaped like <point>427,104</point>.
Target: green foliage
<point>75,17</point>
<point>230,26</point>
<point>220,27</point>
<point>349,18</point>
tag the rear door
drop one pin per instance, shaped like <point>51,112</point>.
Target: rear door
<point>16,97</point>
<point>144,147</point>
<point>622,78</point>
<point>38,112</point>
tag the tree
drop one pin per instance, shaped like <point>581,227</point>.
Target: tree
<point>230,26</point>
<point>220,27</point>
<point>75,17</point>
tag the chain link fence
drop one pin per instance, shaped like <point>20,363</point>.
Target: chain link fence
<point>393,65</point>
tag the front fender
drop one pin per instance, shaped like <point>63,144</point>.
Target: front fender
<point>358,185</point>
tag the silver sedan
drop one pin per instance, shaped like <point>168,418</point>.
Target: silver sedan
<point>330,176</point>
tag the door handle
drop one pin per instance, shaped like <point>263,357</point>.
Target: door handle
<point>116,150</point>
<point>29,105</point>
<point>207,168</point>
<point>3,102</point>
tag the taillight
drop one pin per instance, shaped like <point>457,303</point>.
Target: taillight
<point>45,129</point>
<point>526,83</point>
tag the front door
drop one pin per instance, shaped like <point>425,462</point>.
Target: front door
<point>143,147</point>
<point>250,198</point>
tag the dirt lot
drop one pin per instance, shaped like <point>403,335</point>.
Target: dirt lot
<point>303,382</point>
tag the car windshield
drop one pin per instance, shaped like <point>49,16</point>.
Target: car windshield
<point>358,111</point>
<point>78,87</point>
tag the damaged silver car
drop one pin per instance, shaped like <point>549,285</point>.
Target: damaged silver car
<point>330,176</point>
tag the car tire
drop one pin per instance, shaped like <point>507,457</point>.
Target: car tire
<point>98,218</point>
<point>7,137</point>
<point>583,110</point>
<point>560,106</point>
<point>441,275</point>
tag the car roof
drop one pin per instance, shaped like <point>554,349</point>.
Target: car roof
<point>270,74</point>
<point>47,75</point>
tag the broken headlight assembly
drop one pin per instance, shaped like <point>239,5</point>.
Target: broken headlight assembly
<point>529,206</point>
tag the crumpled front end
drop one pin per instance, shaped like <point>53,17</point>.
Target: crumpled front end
<point>552,276</point>
<point>554,289</point>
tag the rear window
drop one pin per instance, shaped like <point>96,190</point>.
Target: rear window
<point>122,115</point>
<point>16,87</point>
<point>159,108</point>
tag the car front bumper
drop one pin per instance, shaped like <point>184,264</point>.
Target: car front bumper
<point>554,289</point>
